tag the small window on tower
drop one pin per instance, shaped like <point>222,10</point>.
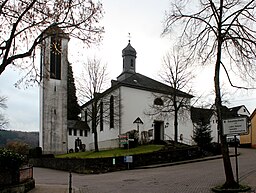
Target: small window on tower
<point>132,63</point>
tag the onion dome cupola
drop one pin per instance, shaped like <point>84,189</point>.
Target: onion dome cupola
<point>129,59</point>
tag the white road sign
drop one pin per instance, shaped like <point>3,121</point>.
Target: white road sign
<point>235,126</point>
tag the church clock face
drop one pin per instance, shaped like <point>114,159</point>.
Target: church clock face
<point>55,58</point>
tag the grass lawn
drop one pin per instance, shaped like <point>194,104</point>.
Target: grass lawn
<point>113,152</point>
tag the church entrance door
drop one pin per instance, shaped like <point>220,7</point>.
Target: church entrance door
<point>158,131</point>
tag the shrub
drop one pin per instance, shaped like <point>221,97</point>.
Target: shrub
<point>10,160</point>
<point>35,152</point>
<point>18,147</point>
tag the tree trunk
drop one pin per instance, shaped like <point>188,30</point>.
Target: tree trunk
<point>94,126</point>
<point>230,182</point>
<point>96,147</point>
<point>176,125</point>
<point>175,118</point>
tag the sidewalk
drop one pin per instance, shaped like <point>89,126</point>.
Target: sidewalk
<point>43,188</point>
<point>47,188</point>
<point>247,177</point>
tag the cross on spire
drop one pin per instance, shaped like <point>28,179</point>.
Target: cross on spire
<point>129,37</point>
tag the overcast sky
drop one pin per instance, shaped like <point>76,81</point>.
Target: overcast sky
<point>143,20</point>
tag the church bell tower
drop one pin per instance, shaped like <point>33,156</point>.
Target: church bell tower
<point>129,62</point>
<point>53,91</point>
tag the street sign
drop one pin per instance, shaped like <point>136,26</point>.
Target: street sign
<point>235,126</point>
<point>128,159</point>
<point>123,139</point>
<point>138,120</point>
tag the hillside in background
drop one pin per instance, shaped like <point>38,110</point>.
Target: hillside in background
<point>30,138</point>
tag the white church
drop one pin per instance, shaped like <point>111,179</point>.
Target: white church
<point>130,104</point>
<point>127,105</point>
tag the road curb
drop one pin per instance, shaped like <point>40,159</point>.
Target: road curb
<point>182,162</point>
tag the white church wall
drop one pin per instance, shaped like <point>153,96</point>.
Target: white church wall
<point>185,128</point>
<point>137,103</point>
<point>108,137</point>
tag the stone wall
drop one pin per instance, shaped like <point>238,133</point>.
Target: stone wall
<point>102,165</point>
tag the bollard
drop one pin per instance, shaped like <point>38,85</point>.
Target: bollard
<point>70,182</point>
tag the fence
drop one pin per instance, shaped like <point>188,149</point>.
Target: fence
<point>26,173</point>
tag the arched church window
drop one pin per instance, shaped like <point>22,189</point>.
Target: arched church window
<point>111,112</point>
<point>158,101</point>
<point>55,58</point>
<point>101,116</point>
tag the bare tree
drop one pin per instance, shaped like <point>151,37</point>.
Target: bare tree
<point>223,30</point>
<point>177,74</point>
<point>3,121</point>
<point>91,84</point>
<point>23,24</point>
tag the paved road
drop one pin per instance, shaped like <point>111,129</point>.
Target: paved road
<point>193,177</point>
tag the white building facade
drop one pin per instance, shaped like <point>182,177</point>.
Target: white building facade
<point>133,97</point>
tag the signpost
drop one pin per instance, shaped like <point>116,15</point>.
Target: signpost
<point>138,121</point>
<point>123,139</point>
<point>234,127</point>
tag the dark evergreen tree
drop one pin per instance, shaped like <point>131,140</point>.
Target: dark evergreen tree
<point>202,135</point>
<point>72,106</point>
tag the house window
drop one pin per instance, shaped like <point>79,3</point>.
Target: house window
<point>111,112</point>
<point>158,101</point>
<point>55,58</point>
<point>75,132</point>
<point>81,132</point>
<point>85,133</point>
<point>101,116</point>
<point>70,131</point>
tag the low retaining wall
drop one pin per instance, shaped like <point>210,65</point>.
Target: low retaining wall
<point>19,188</point>
<point>17,180</point>
<point>102,165</point>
